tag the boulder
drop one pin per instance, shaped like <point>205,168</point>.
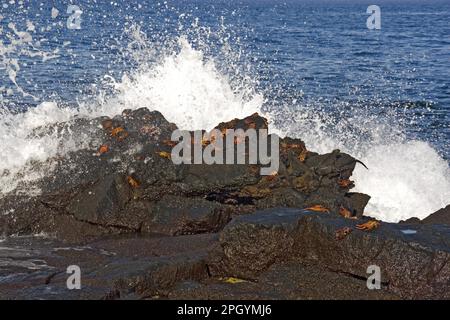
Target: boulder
<point>120,179</point>
<point>413,265</point>
<point>174,215</point>
<point>441,216</point>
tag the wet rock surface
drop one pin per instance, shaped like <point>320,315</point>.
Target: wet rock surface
<point>141,227</point>
<point>290,280</point>
<point>129,267</point>
<point>281,253</point>
<point>414,265</point>
<point>160,268</point>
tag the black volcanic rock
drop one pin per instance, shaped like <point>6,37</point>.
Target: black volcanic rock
<point>141,227</point>
<point>130,267</point>
<point>274,254</point>
<point>290,280</point>
<point>441,216</point>
<point>412,265</point>
<point>175,215</point>
<point>122,180</point>
<point>103,202</point>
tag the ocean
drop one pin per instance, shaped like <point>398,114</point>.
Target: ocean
<point>313,68</point>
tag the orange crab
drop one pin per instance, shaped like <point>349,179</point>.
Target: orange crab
<point>345,183</point>
<point>302,156</point>
<point>119,133</point>
<point>342,233</point>
<point>103,149</point>
<point>368,226</point>
<point>164,154</point>
<point>205,142</point>
<point>344,212</point>
<point>133,182</point>
<point>318,208</point>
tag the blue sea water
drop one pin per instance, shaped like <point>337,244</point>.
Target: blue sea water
<point>317,69</point>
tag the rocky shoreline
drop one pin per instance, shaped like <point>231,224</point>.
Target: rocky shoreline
<point>141,227</point>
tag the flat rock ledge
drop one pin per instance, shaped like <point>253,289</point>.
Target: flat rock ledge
<point>412,265</point>
<point>280,253</point>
